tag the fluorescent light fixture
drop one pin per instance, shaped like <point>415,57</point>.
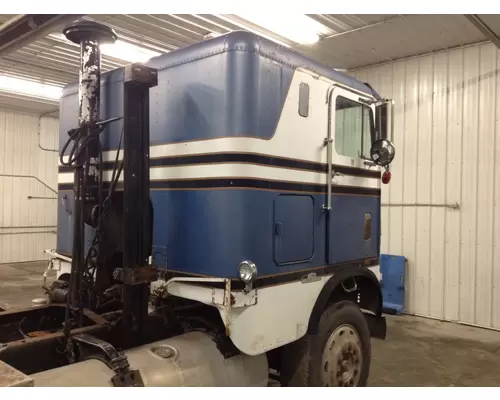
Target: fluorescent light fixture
<point>298,28</point>
<point>128,52</point>
<point>29,88</point>
<point>250,29</point>
<point>120,49</point>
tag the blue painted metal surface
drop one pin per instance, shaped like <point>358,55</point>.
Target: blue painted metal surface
<point>393,270</point>
<point>233,85</point>
<point>347,224</point>
<point>210,232</point>
<point>231,94</point>
<point>294,228</point>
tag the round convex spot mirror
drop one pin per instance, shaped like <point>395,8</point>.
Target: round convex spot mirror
<point>382,152</point>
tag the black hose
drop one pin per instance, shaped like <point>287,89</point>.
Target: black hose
<point>81,139</point>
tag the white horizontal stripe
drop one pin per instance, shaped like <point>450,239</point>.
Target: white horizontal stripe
<point>220,145</point>
<point>271,148</point>
<point>241,171</point>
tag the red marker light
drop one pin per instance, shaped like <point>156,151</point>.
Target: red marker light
<point>386,177</point>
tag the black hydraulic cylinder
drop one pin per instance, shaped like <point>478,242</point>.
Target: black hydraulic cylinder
<point>137,209</point>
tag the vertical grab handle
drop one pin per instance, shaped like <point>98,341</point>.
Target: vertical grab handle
<point>327,142</point>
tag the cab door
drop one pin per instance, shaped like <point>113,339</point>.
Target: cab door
<point>353,227</point>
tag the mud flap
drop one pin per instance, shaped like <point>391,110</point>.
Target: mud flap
<point>377,326</point>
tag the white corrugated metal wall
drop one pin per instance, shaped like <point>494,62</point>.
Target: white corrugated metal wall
<point>27,225</point>
<point>446,127</point>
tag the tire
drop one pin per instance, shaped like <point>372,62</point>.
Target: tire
<point>338,355</point>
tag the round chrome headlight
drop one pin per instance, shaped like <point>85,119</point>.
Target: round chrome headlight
<point>247,271</point>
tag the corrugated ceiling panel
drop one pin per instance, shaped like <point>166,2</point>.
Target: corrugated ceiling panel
<point>27,225</point>
<point>401,37</point>
<point>340,23</point>
<point>358,40</point>
<point>446,125</point>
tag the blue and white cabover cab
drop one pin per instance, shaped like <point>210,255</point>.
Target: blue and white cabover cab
<point>242,134</point>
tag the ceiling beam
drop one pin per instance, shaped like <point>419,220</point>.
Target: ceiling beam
<point>24,29</point>
<point>483,27</point>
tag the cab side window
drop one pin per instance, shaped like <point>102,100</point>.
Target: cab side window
<point>353,128</point>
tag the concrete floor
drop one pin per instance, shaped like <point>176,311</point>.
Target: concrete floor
<point>20,283</point>
<point>417,351</point>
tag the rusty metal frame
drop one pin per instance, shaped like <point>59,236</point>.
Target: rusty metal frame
<point>19,353</point>
<point>98,322</point>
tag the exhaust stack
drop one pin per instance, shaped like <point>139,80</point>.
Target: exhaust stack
<point>89,35</point>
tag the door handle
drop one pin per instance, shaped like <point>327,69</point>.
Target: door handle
<point>278,228</point>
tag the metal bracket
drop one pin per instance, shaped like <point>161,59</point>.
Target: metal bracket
<point>242,299</point>
<point>312,277</point>
<point>140,74</point>
<point>117,361</point>
<point>140,275</point>
<point>128,379</point>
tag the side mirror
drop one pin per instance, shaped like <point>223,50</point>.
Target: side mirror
<point>384,120</point>
<point>382,152</point>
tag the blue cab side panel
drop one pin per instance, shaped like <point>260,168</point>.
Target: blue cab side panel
<point>347,224</point>
<point>231,86</point>
<point>210,232</point>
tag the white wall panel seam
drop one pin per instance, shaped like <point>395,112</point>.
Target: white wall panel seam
<point>462,147</point>
<point>415,209</point>
<point>431,182</point>
<point>494,211</point>
<point>479,139</point>
<point>403,146</point>
<point>447,101</point>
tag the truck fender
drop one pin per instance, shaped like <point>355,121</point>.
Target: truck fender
<point>370,295</point>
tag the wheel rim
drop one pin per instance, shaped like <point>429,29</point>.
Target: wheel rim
<point>342,358</point>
